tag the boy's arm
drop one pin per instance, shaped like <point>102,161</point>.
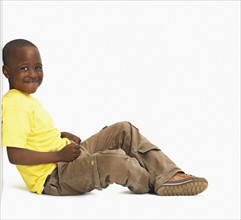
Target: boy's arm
<point>71,137</point>
<point>22,156</point>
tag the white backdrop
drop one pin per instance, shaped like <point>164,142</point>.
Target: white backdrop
<point>172,68</point>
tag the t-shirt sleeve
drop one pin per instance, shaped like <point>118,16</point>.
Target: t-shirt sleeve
<point>15,128</point>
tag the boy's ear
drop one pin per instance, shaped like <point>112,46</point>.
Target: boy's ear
<point>5,71</point>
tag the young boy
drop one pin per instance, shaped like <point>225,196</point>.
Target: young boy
<point>58,163</point>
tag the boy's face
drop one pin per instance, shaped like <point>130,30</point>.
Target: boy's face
<point>24,71</point>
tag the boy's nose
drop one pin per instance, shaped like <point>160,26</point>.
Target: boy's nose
<point>32,72</point>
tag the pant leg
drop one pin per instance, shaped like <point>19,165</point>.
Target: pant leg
<point>127,137</point>
<point>97,171</point>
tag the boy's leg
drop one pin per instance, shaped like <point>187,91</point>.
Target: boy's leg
<point>97,171</point>
<point>161,168</point>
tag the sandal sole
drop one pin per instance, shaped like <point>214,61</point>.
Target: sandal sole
<point>187,188</point>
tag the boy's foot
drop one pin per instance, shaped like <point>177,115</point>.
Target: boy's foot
<point>182,184</point>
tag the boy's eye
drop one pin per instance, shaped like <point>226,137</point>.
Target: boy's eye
<point>24,68</point>
<point>38,68</point>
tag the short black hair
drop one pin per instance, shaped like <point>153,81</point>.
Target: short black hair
<point>10,48</point>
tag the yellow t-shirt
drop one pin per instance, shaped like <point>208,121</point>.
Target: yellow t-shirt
<point>26,124</point>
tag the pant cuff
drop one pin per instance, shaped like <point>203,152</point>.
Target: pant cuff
<point>161,179</point>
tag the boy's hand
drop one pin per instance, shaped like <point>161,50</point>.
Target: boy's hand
<point>69,153</point>
<point>71,137</point>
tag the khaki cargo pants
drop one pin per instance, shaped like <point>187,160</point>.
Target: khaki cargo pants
<point>117,154</point>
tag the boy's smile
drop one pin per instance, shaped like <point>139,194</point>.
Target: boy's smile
<point>24,70</point>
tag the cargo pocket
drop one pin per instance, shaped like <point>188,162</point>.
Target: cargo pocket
<point>146,148</point>
<point>142,154</point>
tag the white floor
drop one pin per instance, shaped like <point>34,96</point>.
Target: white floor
<point>219,201</point>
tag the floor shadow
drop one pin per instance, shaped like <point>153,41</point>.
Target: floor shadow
<point>20,187</point>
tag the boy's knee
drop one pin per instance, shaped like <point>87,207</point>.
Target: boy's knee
<point>124,125</point>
